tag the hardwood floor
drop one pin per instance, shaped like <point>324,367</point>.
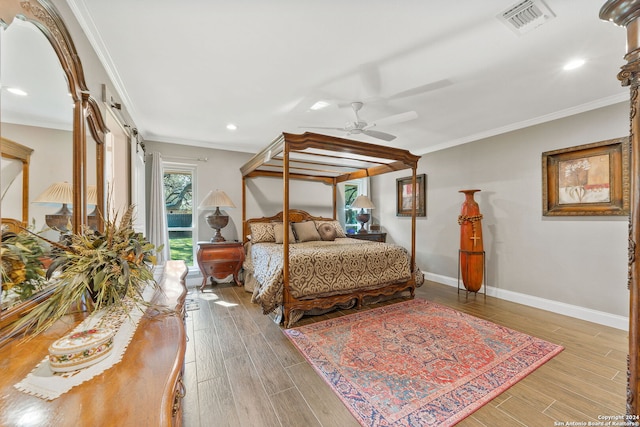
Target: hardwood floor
<point>242,371</point>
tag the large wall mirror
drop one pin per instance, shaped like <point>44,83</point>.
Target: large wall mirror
<point>46,108</point>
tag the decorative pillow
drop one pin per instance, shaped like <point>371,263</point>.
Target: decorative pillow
<point>327,231</point>
<point>306,231</point>
<point>262,232</point>
<point>278,231</point>
<point>336,225</point>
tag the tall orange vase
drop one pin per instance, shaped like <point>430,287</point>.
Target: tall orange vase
<point>471,249</point>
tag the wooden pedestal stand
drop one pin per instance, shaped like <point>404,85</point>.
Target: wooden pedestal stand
<point>484,268</point>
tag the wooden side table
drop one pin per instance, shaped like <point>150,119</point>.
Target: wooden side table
<point>374,237</point>
<point>219,260</point>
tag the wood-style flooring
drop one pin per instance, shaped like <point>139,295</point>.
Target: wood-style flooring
<point>242,371</point>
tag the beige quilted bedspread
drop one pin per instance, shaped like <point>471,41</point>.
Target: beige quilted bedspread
<point>323,268</point>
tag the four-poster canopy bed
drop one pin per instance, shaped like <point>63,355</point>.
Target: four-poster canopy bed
<point>329,160</point>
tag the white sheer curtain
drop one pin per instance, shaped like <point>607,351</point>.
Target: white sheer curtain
<point>158,234</point>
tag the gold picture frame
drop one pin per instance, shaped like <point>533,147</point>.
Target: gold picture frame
<point>404,196</point>
<point>587,180</point>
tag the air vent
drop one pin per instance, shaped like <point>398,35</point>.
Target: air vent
<point>526,15</point>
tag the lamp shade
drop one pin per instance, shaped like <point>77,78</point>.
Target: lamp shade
<point>92,195</point>
<point>59,192</point>
<point>362,202</point>
<point>216,199</point>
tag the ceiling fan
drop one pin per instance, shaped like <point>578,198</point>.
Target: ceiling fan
<point>359,126</point>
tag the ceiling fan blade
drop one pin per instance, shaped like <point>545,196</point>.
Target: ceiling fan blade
<point>380,135</point>
<point>396,118</point>
<point>418,90</point>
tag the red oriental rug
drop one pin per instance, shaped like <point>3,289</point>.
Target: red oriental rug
<point>417,363</point>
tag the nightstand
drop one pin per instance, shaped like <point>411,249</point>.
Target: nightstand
<point>219,260</point>
<point>374,237</point>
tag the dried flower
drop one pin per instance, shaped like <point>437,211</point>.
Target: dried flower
<point>21,267</point>
<point>102,268</point>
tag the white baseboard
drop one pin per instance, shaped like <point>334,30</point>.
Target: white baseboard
<point>583,313</point>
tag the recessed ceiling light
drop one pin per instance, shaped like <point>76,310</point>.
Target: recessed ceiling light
<point>17,91</point>
<point>573,64</point>
<point>320,105</point>
<point>231,126</point>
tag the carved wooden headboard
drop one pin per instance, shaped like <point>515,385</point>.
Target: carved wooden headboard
<point>295,215</point>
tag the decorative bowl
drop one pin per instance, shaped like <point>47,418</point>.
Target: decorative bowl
<point>80,349</point>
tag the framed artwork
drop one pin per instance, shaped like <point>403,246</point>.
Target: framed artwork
<point>591,179</point>
<point>404,194</point>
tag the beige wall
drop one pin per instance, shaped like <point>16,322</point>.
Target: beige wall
<point>570,264</point>
<point>50,162</point>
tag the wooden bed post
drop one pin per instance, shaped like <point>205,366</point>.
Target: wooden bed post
<point>626,13</point>
<point>414,207</point>
<point>285,240</point>
<point>335,198</point>
<point>244,207</point>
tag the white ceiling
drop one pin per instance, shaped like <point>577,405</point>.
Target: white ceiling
<point>185,69</point>
<point>28,62</point>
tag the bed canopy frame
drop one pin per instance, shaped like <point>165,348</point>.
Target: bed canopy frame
<point>329,160</point>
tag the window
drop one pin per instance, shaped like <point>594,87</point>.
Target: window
<point>350,194</point>
<point>353,189</point>
<point>178,196</point>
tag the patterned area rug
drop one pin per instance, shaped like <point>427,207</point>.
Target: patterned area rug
<point>417,363</point>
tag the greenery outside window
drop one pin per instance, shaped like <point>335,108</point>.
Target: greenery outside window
<point>353,189</point>
<point>178,191</point>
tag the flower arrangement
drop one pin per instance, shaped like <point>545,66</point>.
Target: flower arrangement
<point>98,269</point>
<point>21,265</point>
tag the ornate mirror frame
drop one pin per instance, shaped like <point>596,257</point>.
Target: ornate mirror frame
<point>86,113</point>
<point>86,116</point>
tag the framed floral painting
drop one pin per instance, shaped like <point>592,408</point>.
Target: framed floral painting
<point>591,179</point>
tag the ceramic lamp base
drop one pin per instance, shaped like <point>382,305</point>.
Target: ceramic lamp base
<point>363,218</point>
<point>217,221</point>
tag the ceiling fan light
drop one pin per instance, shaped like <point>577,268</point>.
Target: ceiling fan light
<point>231,126</point>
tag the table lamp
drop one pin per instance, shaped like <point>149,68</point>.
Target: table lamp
<point>59,192</point>
<point>217,220</point>
<point>362,217</point>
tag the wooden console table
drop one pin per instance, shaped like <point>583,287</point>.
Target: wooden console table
<point>144,389</point>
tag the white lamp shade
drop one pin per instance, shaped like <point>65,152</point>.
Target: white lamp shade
<point>59,192</point>
<point>362,202</point>
<point>92,195</point>
<point>216,199</point>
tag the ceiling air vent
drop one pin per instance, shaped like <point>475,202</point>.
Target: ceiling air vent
<point>526,15</point>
